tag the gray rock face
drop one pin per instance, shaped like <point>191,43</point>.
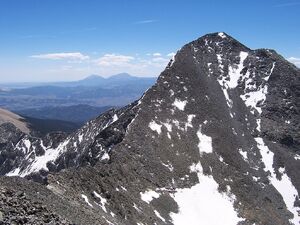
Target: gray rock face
<point>9,137</point>
<point>214,141</point>
<point>35,157</point>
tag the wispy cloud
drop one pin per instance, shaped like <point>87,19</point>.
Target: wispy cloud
<point>287,4</point>
<point>106,64</point>
<point>114,60</point>
<point>79,30</point>
<point>62,56</point>
<point>116,63</point>
<point>171,54</point>
<point>33,36</point>
<point>145,21</point>
<point>160,60</point>
<point>156,54</point>
<point>295,60</point>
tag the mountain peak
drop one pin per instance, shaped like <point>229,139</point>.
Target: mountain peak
<point>217,134</point>
<point>216,36</point>
<point>216,43</point>
<point>213,35</point>
<point>122,75</point>
<point>93,77</point>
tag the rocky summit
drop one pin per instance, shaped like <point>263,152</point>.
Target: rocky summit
<point>215,141</point>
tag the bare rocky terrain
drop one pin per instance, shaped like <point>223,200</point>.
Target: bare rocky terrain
<point>9,117</point>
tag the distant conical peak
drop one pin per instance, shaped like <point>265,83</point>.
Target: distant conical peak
<point>93,76</point>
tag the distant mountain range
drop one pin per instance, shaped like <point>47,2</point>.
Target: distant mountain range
<point>94,90</point>
<point>92,80</point>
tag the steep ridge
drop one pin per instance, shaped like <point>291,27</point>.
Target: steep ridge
<point>56,151</point>
<point>9,117</point>
<point>214,141</point>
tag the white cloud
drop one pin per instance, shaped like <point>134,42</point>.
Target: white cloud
<point>145,21</point>
<point>160,59</point>
<point>287,4</point>
<point>73,66</point>
<point>171,54</point>
<point>295,60</point>
<point>114,60</point>
<point>137,65</point>
<point>156,54</point>
<point>62,56</point>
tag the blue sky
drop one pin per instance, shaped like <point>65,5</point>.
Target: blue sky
<point>47,40</point>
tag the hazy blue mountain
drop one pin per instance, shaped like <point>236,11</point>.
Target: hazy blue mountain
<point>94,90</point>
<point>92,80</point>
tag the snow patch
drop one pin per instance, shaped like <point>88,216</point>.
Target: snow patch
<point>27,144</point>
<point>205,142</point>
<point>155,127</point>
<point>171,92</point>
<point>271,71</point>
<point>103,201</point>
<point>136,207</point>
<point>172,61</point>
<point>189,121</point>
<point>180,104</point>
<point>105,156</point>
<point>251,99</point>
<point>168,126</point>
<point>234,72</point>
<point>115,118</point>
<point>219,58</point>
<point>222,35</point>
<point>149,195</point>
<point>169,166</point>
<point>86,200</point>
<point>159,216</point>
<point>234,75</point>
<point>267,155</point>
<point>177,124</point>
<point>244,154</point>
<point>255,94</point>
<point>284,186</point>
<point>201,203</point>
<point>80,138</point>
<point>169,135</point>
<point>234,131</point>
<point>40,162</point>
<point>258,122</point>
<point>14,172</point>
<point>297,157</point>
